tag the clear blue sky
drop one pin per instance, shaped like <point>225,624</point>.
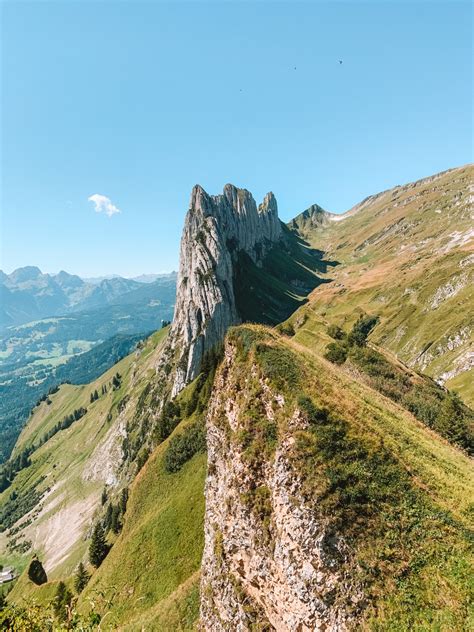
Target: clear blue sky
<point>139,101</point>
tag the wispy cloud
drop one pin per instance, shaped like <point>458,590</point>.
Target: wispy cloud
<point>103,204</point>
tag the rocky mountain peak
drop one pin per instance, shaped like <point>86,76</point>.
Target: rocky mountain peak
<point>66,280</point>
<point>313,217</point>
<point>27,273</point>
<point>217,228</point>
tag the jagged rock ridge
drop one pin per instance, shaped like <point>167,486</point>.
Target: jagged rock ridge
<point>216,229</point>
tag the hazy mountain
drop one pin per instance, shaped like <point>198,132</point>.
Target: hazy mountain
<point>27,294</point>
<point>142,278</point>
<point>150,278</point>
<point>99,279</point>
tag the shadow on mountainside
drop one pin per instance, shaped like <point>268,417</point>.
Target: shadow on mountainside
<point>270,293</point>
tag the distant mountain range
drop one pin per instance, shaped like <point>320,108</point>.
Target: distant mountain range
<point>27,294</point>
<point>48,320</point>
<point>142,278</point>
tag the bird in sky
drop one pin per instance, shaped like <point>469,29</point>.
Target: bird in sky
<point>340,61</point>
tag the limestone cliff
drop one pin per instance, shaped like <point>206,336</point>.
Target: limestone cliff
<point>216,229</point>
<point>270,559</point>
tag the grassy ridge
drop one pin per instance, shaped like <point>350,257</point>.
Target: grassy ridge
<point>398,493</point>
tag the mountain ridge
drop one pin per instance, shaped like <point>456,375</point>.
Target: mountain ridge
<point>224,235</point>
<point>406,255</point>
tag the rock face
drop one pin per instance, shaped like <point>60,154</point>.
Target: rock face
<point>216,229</point>
<point>283,572</point>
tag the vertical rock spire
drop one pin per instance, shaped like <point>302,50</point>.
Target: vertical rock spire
<point>215,230</point>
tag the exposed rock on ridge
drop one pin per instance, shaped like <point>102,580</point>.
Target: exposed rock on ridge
<point>216,229</point>
<point>283,573</point>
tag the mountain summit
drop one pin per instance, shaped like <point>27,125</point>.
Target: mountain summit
<point>217,229</point>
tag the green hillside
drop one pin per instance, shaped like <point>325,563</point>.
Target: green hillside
<point>164,518</point>
<point>151,574</point>
<point>404,255</point>
<point>53,500</point>
<point>401,495</point>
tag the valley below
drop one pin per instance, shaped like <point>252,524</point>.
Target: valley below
<point>39,355</point>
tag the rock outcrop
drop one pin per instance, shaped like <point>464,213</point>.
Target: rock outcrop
<point>216,229</point>
<point>271,563</point>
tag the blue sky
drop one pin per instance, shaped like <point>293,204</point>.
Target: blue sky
<point>139,101</point>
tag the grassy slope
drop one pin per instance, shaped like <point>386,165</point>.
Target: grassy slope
<point>410,544</point>
<point>394,254</point>
<point>73,467</point>
<point>400,494</point>
<point>151,575</point>
<point>45,416</point>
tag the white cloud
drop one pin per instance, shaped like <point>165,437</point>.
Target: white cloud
<point>103,204</point>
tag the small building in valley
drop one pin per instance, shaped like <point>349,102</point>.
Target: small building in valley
<point>7,574</point>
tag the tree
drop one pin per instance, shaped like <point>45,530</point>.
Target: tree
<point>107,522</point>
<point>287,329</point>
<point>184,446</point>
<point>169,419</point>
<point>4,482</point>
<point>450,421</point>
<point>124,500</point>
<point>81,578</point>
<point>62,601</point>
<point>98,548</point>
<point>336,353</point>
<point>115,523</point>
<point>36,572</point>
<point>336,332</point>
<point>361,329</point>
<point>25,460</point>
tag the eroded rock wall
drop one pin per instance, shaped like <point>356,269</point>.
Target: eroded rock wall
<point>271,563</point>
<point>216,228</point>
